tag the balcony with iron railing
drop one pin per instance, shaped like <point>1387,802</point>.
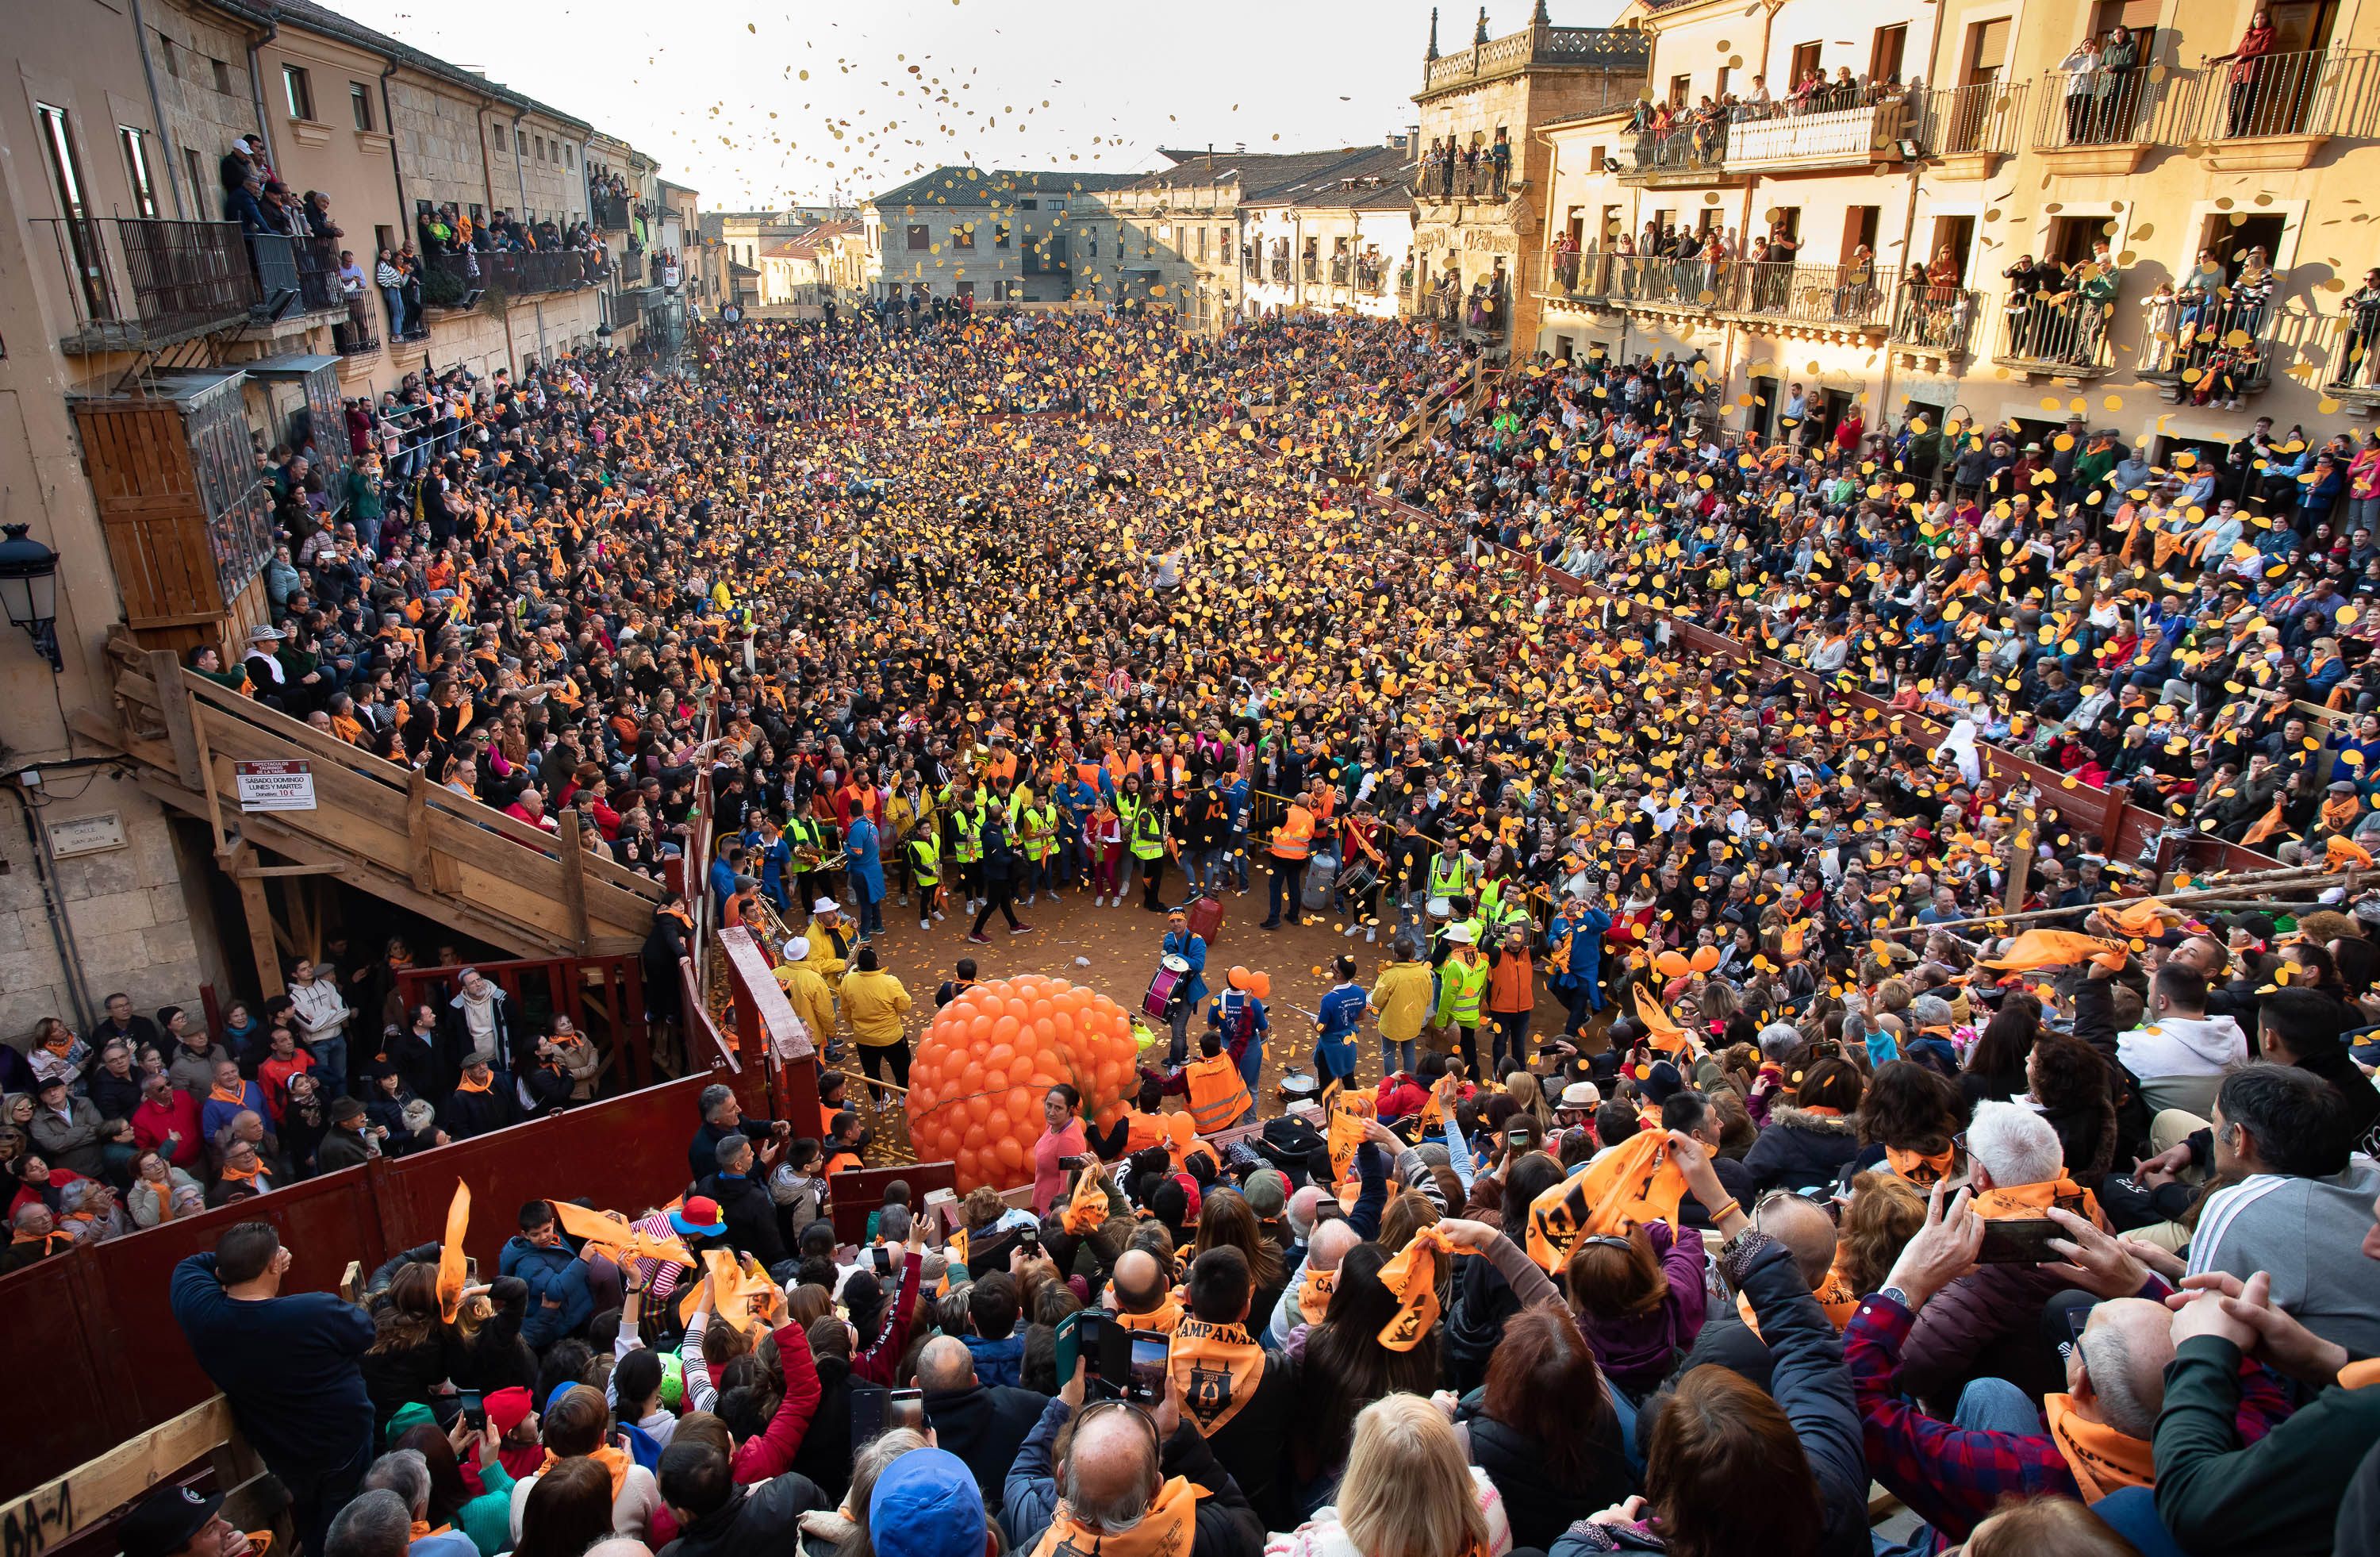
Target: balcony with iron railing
<point>1341,270</point>
<point>2062,336</point>
<point>1968,128</point>
<point>1371,278</point>
<point>1827,299</point>
<point>1281,270</point>
<point>137,284</point>
<point>2274,112</point>
<point>1309,269</point>
<point>2208,348</point>
<point>2354,375</point>
<point>1934,321</point>
<point>1694,155</point>
<point>631,267</point>
<point>2106,123</point>
<point>610,212</point>
<point>517,272</point>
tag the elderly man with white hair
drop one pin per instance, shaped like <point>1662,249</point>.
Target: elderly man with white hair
<point>1988,1323</point>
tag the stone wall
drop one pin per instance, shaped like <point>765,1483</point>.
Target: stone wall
<point>438,143</point>
<point>539,327</point>
<point>134,911</point>
<point>205,109</point>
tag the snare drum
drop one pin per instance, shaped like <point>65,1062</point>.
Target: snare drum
<point>1360,877</point>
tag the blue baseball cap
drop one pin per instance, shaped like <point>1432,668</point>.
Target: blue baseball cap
<point>926,1505</point>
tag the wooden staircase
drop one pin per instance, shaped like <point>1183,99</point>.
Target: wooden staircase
<point>376,826</point>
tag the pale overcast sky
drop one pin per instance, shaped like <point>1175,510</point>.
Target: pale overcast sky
<point>695,83</point>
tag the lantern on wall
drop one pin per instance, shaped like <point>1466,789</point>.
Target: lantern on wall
<point>28,589</point>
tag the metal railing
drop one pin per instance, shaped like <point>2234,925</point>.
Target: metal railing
<point>1843,135</point>
<point>138,281</point>
<point>2114,108</point>
<point>1837,294</point>
<point>519,273</point>
<point>1984,117</point>
<point>2326,92</point>
<point>610,212</point>
<point>1696,149</point>
<point>2065,330</point>
<point>1281,270</point>
<point>1339,270</point>
<point>2194,336</point>
<point>2355,362</point>
<point>355,337</point>
<point>631,265</point>
<point>1940,319</point>
<point>1585,275</point>
<point>1310,268</point>
<point>1370,279</point>
<point>1439,180</point>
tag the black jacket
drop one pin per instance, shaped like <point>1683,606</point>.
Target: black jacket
<point>983,1425</point>
<point>1540,1501</point>
<point>752,1218</point>
<point>825,1454</point>
<point>757,1521</point>
<point>1253,1446</point>
<point>1800,1150</point>
<point>478,1114</point>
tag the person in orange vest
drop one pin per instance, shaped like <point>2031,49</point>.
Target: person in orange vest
<point>1218,1092</point>
<point>1292,843</point>
<point>1512,995</point>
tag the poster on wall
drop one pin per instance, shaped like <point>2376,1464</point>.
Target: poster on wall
<point>275,786</point>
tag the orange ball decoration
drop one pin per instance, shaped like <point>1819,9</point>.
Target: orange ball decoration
<point>985,1062</point>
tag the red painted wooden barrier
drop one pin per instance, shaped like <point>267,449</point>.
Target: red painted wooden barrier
<point>97,1325</point>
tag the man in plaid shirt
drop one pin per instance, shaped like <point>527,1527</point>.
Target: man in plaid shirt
<point>1955,1473</point>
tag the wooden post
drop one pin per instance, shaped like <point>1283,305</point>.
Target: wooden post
<point>574,878</point>
<point>174,705</point>
<point>417,832</point>
<point>258,908</point>
<point>2019,866</point>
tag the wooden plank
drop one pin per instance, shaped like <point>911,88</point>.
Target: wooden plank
<point>262,927</point>
<point>87,1494</point>
<point>417,833</point>
<point>574,876</point>
<point>261,872</point>
<point>173,704</point>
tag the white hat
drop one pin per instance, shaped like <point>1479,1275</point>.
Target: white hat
<point>1459,934</point>
<point>826,906</point>
<point>1581,1094</point>
<point>797,948</point>
<point>263,633</point>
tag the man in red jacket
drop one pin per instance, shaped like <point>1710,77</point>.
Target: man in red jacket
<point>167,1122</point>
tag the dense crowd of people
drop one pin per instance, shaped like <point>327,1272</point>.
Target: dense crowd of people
<point>2063,1237</point>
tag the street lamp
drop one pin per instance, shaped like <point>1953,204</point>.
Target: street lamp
<point>29,589</point>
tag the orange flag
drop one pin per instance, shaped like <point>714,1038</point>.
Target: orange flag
<point>1411,1277</point>
<point>1351,1113</point>
<point>2145,918</point>
<point>452,1270</point>
<point>739,1292</point>
<point>2340,854</point>
<point>1661,1028</point>
<point>1633,1183</point>
<point>2056,948</point>
<point>617,1237</point>
<point>1088,1206</point>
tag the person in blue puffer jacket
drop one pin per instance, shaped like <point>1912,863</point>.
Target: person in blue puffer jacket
<point>559,1302</point>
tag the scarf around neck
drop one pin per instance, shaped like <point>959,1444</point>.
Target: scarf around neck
<point>1216,1369</point>
<point>2101,1458</point>
<point>1166,1530</point>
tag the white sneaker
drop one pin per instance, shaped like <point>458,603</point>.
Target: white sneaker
<point>938,916</point>
<point>1371,935</point>
<point>1353,928</point>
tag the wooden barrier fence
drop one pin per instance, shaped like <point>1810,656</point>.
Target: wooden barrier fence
<point>96,1324</point>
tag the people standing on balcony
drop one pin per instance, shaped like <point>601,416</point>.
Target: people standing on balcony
<point>2118,86</point>
<point>2247,72</point>
<point>242,203</point>
<point>2362,308</point>
<point>2083,69</point>
<point>1499,162</point>
<point>391,287</point>
<point>1471,164</point>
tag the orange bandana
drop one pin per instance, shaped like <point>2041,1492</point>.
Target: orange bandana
<point>1314,1294</point>
<point>1087,1208</point>
<point>218,1095</point>
<point>465,1084</point>
<point>1159,1321</point>
<point>611,1457</point>
<point>1216,1371</point>
<point>251,1176</point>
<point>1634,1183</point>
<point>2101,1458</point>
<point>1166,1530</point>
<point>2360,1375</point>
<point>2029,1202</point>
<point>1922,1169</point>
<point>1411,1277</point>
<point>1835,1295</point>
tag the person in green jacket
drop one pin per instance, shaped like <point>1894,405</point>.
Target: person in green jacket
<point>1462,981</point>
<point>2280,1496</point>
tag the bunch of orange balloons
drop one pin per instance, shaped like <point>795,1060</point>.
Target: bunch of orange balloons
<point>987,1058</point>
<point>1675,964</point>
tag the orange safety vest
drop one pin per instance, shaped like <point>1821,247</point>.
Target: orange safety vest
<point>1145,1130</point>
<point>1293,839</point>
<point>1218,1094</point>
<point>842,1161</point>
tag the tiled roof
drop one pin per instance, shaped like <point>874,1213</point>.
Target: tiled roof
<point>322,20</point>
<point>960,185</point>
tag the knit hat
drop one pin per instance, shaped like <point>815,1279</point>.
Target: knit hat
<point>507,1409</point>
<point>409,1416</point>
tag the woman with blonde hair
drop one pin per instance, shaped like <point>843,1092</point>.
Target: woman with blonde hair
<point>1529,1099</point>
<point>1407,1493</point>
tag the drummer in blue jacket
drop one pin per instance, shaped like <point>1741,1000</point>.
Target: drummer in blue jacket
<point>1575,952</point>
<point>1192,949</point>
